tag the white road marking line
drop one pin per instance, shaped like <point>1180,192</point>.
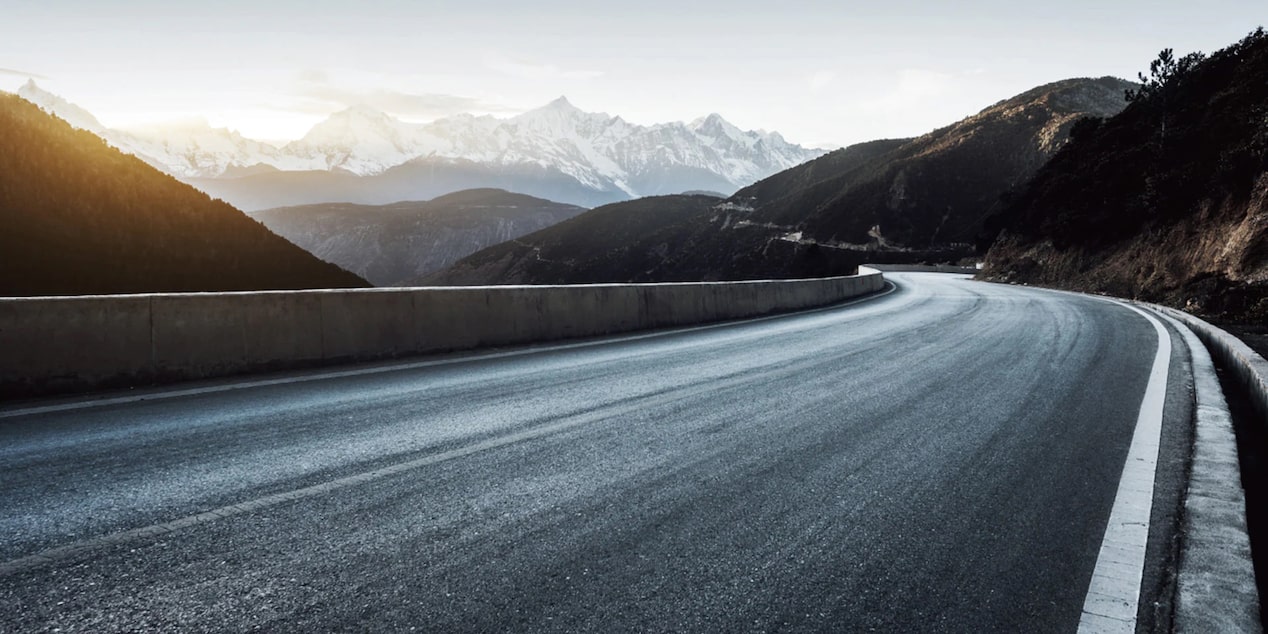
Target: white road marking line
<point>1113,596</point>
<point>470,356</point>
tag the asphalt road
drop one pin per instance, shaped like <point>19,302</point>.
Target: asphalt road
<point>942,458</point>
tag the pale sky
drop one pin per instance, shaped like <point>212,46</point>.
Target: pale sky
<point>822,73</point>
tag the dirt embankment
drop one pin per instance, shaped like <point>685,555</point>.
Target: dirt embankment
<point>1213,263</point>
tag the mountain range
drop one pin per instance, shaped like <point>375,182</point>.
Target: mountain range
<point>889,200</point>
<point>363,155</point>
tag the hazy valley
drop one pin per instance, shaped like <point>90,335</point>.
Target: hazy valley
<point>396,244</point>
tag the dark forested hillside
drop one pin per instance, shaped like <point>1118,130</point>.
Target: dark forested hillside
<point>602,245</point>
<point>933,191</point>
<point>78,217</point>
<point>1168,201</point>
<point>828,167</point>
<point>654,239</point>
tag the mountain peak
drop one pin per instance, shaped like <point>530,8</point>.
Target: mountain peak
<point>361,110</point>
<point>31,89</point>
<point>715,126</point>
<point>561,103</point>
<point>59,107</point>
<point>555,118</point>
<point>559,107</point>
<point>356,122</point>
<point>713,119</point>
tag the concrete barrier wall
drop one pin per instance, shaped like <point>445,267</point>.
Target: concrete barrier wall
<point>924,268</point>
<point>1232,353</point>
<point>60,344</point>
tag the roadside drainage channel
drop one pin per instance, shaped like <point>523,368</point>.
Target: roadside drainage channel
<point>1224,563</point>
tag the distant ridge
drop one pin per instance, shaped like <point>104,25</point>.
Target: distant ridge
<point>79,217</point>
<point>392,245</point>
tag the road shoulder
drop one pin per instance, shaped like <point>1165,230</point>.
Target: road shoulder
<point>1216,589</point>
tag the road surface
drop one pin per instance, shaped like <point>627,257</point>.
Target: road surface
<point>941,458</point>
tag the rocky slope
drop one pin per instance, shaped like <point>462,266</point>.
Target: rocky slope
<point>884,201</point>
<point>394,244</point>
<point>80,217</point>
<point>1168,201</point>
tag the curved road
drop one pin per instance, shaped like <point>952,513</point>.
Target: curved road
<point>941,458</point>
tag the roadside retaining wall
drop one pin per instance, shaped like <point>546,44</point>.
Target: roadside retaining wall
<point>924,268</point>
<point>1250,369</point>
<point>1215,577</point>
<point>61,344</point>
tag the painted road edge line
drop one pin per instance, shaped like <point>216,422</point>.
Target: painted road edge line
<point>1113,596</point>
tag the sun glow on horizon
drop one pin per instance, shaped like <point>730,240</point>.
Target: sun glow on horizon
<point>821,76</point>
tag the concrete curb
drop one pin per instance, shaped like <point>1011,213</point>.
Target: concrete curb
<point>1216,589</point>
<point>1250,369</point>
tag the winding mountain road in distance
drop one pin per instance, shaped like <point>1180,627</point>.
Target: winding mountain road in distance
<point>940,458</point>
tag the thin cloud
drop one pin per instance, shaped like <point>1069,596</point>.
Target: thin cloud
<point>313,76</point>
<point>820,80</point>
<point>317,94</point>
<point>918,83</point>
<point>21,73</point>
<point>535,71</point>
<point>913,89</point>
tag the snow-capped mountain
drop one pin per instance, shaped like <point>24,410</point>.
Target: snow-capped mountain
<point>360,140</point>
<point>195,148</point>
<point>187,150</point>
<point>53,104</point>
<point>600,152</point>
